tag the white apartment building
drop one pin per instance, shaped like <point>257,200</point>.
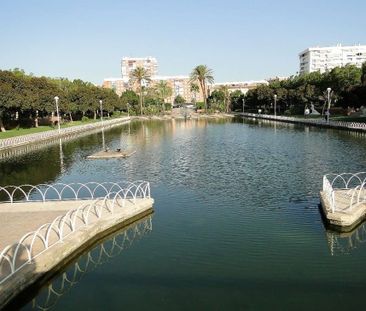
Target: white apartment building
<point>128,64</point>
<point>242,86</point>
<point>326,58</point>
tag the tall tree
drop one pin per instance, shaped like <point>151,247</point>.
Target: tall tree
<point>163,91</point>
<point>194,88</point>
<point>363,74</point>
<point>203,75</point>
<point>225,90</point>
<point>140,76</point>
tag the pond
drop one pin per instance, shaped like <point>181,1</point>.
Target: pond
<point>236,224</point>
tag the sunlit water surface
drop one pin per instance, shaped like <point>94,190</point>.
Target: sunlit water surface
<point>236,223</point>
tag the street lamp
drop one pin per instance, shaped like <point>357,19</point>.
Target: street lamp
<point>328,110</point>
<point>275,102</point>
<point>58,115</point>
<point>101,111</point>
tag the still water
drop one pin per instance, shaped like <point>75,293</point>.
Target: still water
<point>236,224</point>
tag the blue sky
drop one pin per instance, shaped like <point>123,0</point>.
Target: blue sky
<point>239,40</point>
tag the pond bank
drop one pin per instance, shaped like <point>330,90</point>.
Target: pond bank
<point>341,125</point>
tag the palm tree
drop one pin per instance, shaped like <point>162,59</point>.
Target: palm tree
<point>194,89</point>
<point>140,75</point>
<point>202,74</point>
<point>225,90</point>
<point>163,90</point>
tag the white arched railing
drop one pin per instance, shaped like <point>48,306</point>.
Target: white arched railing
<point>336,124</point>
<point>31,245</point>
<point>345,191</point>
<point>73,191</point>
<point>36,137</point>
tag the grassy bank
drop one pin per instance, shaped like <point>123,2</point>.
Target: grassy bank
<point>25,131</point>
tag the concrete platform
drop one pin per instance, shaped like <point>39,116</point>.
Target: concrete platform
<point>17,219</point>
<point>110,154</point>
<point>33,214</point>
<point>344,219</point>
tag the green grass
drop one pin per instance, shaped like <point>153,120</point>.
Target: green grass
<point>24,131</point>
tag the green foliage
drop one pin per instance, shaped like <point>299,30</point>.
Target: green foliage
<point>295,93</point>
<point>140,75</point>
<point>203,75</point>
<point>179,100</point>
<point>24,97</point>
<point>84,119</point>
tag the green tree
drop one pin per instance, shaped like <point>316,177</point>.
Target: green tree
<point>179,100</point>
<point>225,90</point>
<point>363,74</point>
<point>194,88</point>
<point>163,91</point>
<point>140,76</point>
<point>130,101</point>
<point>203,75</point>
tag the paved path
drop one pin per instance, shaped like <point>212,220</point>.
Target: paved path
<point>18,219</point>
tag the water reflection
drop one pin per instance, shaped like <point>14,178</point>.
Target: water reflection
<point>53,290</point>
<point>341,243</point>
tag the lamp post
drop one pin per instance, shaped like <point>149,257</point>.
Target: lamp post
<point>58,115</point>
<point>275,102</point>
<point>328,109</point>
<point>101,111</point>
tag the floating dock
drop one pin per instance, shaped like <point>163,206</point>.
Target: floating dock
<point>111,154</point>
<point>343,200</point>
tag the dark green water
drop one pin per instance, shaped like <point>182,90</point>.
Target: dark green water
<point>236,223</point>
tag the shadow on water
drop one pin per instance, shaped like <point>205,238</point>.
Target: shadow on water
<point>46,293</point>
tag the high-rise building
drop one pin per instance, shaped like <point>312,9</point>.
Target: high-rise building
<point>128,64</point>
<point>326,58</point>
<point>116,84</point>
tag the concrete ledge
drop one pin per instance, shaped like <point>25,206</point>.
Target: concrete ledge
<point>59,254</point>
<point>343,221</point>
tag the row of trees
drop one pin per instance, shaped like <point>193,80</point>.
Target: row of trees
<point>347,90</point>
<point>24,99</point>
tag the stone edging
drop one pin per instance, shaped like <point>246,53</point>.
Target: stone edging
<point>37,137</point>
<point>351,126</point>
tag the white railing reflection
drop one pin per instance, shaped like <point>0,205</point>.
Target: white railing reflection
<point>16,256</point>
<point>345,191</point>
<point>98,255</point>
<point>345,243</point>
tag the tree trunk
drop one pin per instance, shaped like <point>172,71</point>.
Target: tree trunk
<point>140,99</point>
<point>2,128</point>
<point>36,121</point>
<point>70,114</point>
<point>203,88</point>
<point>95,114</point>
